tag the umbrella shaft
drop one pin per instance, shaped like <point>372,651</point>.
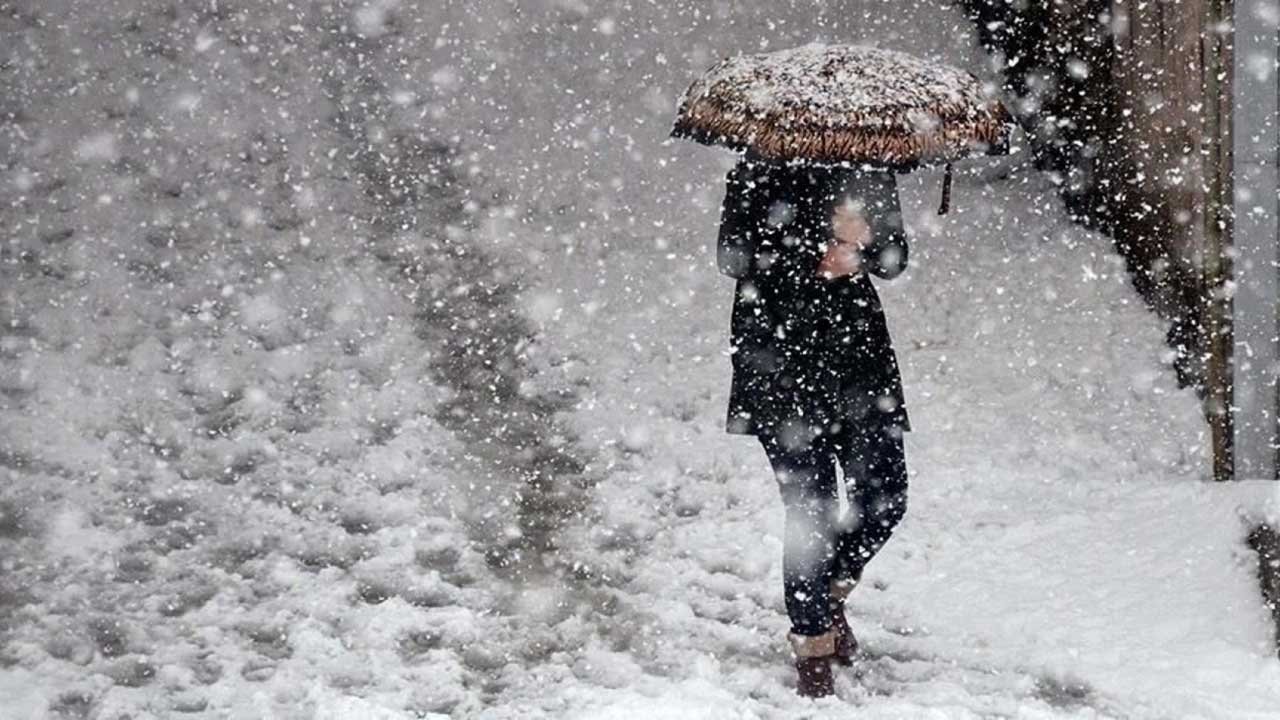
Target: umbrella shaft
<point>946,192</point>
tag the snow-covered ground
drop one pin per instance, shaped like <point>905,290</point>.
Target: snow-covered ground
<point>321,318</point>
<point>1062,555</point>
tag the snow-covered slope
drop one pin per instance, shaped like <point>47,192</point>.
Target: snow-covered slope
<point>315,313</point>
<point>1062,554</point>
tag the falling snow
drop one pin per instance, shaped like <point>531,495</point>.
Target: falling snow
<point>368,359</point>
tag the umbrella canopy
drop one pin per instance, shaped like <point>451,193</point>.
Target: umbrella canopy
<point>843,103</point>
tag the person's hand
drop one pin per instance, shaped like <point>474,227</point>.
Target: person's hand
<point>851,233</point>
<point>839,261</point>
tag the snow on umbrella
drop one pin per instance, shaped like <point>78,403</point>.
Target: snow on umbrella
<point>844,103</point>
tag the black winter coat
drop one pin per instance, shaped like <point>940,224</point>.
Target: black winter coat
<point>809,354</point>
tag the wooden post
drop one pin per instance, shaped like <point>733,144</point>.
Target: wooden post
<point>1216,271</point>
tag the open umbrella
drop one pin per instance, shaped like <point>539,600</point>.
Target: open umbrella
<point>844,103</point>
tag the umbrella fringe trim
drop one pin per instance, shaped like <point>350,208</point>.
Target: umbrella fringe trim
<point>887,138</point>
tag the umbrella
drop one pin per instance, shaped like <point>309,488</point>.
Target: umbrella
<point>844,104</point>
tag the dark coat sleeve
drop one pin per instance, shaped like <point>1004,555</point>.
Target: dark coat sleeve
<point>886,255</point>
<point>741,220</point>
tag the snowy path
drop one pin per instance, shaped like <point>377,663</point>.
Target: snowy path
<point>1061,556</point>
<point>231,480</point>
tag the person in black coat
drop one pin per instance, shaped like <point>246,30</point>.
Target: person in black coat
<point>815,377</point>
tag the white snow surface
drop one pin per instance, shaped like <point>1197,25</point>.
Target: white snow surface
<point>1062,554</point>
<point>230,486</point>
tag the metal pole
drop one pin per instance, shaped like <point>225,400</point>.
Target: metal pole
<point>1254,106</point>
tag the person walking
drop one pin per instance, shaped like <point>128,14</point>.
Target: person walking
<point>815,377</point>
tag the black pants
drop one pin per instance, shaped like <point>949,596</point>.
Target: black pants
<point>820,546</point>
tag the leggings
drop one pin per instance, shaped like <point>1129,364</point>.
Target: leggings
<point>819,545</point>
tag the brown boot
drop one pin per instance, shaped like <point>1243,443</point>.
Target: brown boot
<point>846,644</point>
<point>813,655</point>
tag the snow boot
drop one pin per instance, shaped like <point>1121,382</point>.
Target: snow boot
<point>813,654</point>
<point>846,644</point>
